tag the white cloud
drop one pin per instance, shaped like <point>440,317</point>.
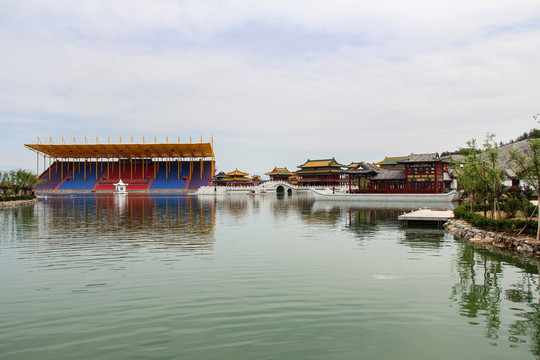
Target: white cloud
<point>348,79</point>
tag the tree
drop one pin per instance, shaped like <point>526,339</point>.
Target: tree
<point>20,182</point>
<point>493,175</point>
<point>468,170</point>
<point>25,181</point>
<point>526,165</point>
<point>6,184</point>
<point>479,174</point>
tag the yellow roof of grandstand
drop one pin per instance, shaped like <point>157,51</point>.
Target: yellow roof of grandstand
<point>131,150</point>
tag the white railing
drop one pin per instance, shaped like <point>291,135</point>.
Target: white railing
<point>263,187</point>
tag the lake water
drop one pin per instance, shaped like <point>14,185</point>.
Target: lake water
<point>252,277</point>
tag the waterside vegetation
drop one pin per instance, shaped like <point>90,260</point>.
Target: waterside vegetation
<point>17,185</point>
<point>481,176</point>
<point>515,226</point>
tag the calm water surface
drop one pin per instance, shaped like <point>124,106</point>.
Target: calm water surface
<point>181,277</point>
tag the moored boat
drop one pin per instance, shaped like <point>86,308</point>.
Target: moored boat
<point>331,195</point>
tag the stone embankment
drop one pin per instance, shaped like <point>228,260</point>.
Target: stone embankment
<point>6,204</point>
<point>523,244</point>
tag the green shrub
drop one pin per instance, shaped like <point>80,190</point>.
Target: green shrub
<point>14,198</point>
<point>527,208</point>
<point>502,225</point>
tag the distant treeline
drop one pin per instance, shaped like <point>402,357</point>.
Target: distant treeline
<point>531,134</point>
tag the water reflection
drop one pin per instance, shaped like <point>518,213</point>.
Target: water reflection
<point>424,238</point>
<point>491,289</point>
<point>113,225</point>
<point>283,206</point>
<point>14,220</point>
<point>361,220</point>
<point>265,263</point>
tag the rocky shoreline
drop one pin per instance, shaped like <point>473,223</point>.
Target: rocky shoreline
<point>7,204</point>
<point>525,245</point>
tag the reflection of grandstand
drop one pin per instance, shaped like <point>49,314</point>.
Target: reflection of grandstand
<point>97,167</point>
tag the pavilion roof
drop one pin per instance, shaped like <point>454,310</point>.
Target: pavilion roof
<point>131,150</point>
<point>319,171</point>
<point>321,163</point>
<point>390,175</point>
<point>280,171</point>
<point>391,160</point>
<point>236,178</point>
<point>237,173</point>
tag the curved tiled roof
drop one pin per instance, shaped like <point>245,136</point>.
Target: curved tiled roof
<point>430,157</point>
<point>390,175</point>
<point>279,171</point>
<point>237,173</point>
<point>321,163</point>
<point>391,160</point>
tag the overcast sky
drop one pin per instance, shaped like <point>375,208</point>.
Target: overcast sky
<point>275,82</point>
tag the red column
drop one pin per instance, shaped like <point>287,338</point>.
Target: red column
<point>406,179</point>
<point>436,179</point>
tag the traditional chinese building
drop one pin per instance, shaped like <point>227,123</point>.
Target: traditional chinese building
<point>236,178</point>
<point>256,179</point>
<point>420,173</point>
<point>358,175</point>
<point>324,172</point>
<point>280,174</point>
<point>219,179</point>
<point>388,181</point>
<point>425,173</point>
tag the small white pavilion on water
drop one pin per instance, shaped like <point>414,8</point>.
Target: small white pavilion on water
<point>120,187</point>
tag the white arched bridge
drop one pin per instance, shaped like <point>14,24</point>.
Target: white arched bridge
<point>278,187</point>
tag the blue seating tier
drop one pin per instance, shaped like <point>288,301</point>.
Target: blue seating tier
<point>162,181</point>
<point>76,181</point>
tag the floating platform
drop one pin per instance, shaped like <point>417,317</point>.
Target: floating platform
<point>426,216</point>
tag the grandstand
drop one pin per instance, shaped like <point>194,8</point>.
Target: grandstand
<point>143,166</point>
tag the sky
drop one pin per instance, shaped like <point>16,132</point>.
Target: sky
<point>274,83</point>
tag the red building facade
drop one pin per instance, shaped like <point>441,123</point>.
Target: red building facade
<point>419,174</point>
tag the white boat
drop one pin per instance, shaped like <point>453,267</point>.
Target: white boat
<point>329,194</point>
